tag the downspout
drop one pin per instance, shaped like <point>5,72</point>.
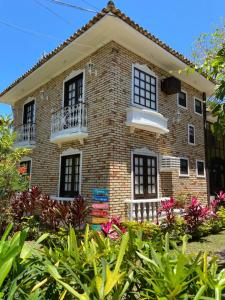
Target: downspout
<point>206,148</point>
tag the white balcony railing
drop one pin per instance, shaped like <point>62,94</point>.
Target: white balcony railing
<point>144,209</point>
<point>25,135</point>
<point>69,123</point>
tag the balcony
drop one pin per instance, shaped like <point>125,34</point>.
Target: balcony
<point>69,124</point>
<point>146,119</point>
<point>25,136</point>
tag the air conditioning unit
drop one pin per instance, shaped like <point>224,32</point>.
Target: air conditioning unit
<point>169,163</point>
<point>171,85</point>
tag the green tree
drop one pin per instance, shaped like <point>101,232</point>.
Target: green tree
<point>209,56</point>
<point>10,179</point>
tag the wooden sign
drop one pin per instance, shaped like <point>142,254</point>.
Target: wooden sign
<point>96,227</point>
<point>101,195</point>
<point>96,220</point>
<point>100,206</point>
<point>99,213</point>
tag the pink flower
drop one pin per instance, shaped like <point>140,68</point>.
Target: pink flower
<point>220,196</point>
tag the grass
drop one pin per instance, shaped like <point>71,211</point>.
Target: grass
<point>213,243</point>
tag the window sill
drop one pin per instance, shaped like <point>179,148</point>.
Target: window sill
<point>200,115</point>
<point>146,119</point>
<point>183,107</point>
<point>52,197</point>
<point>201,176</point>
<point>184,176</point>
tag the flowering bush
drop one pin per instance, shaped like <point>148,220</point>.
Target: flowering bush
<point>219,201</point>
<point>113,228</point>
<point>168,207</point>
<point>196,214</point>
<point>51,213</point>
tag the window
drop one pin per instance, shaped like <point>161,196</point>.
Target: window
<point>73,91</point>
<point>182,99</point>
<point>70,176</point>
<point>184,168</point>
<point>29,113</point>
<point>25,168</point>
<point>200,168</point>
<point>144,89</point>
<point>191,134</point>
<point>198,106</point>
<point>145,177</point>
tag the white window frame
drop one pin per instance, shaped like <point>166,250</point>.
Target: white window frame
<point>24,159</point>
<point>30,99</point>
<point>67,152</point>
<point>196,98</point>
<point>196,164</point>
<point>147,152</point>
<point>183,107</point>
<point>147,70</point>
<point>192,144</point>
<point>184,175</point>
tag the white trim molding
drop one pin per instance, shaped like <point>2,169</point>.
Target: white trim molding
<point>181,106</point>
<point>147,70</point>
<point>196,164</point>
<point>67,152</point>
<point>143,151</point>
<point>188,174</point>
<point>196,98</point>
<point>146,119</point>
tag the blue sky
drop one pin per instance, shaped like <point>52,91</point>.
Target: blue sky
<point>176,22</point>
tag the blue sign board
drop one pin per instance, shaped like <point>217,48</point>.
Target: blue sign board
<point>101,195</point>
<point>96,227</point>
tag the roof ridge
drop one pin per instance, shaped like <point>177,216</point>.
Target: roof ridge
<point>118,13</point>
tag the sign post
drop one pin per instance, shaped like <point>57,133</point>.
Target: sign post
<point>100,207</point>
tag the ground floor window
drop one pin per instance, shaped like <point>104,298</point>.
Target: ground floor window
<point>70,176</point>
<point>145,176</point>
<point>25,168</point>
<point>184,168</point>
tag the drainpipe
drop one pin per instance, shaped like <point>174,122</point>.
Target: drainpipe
<point>206,148</point>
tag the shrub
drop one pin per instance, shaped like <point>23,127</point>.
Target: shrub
<point>113,229</point>
<point>32,206</point>
<point>95,267</point>
<point>148,230</point>
<point>195,215</point>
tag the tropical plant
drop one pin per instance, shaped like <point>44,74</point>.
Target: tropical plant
<point>10,179</point>
<point>209,56</point>
<point>33,204</point>
<point>96,267</point>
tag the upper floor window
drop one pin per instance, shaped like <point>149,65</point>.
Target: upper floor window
<point>184,168</point>
<point>73,91</point>
<point>182,99</point>
<point>191,134</point>
<point>198,106</point>
<point>144,89</point>
<point>29,113</point>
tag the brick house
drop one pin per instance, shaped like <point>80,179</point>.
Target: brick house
<point>109,109</point>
